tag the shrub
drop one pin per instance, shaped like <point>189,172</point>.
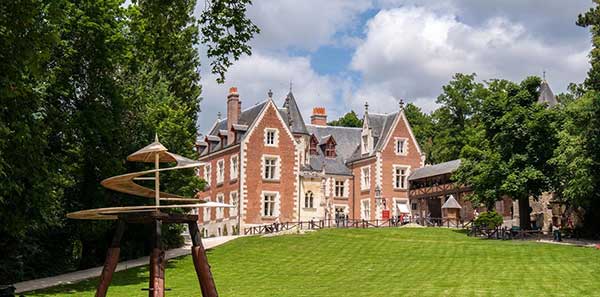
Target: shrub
<point>489,219</point>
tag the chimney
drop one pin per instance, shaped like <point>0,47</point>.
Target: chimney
<point>234,106</point>
<point>319,117</point>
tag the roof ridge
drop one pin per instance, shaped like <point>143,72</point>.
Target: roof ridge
<point>336,127</point>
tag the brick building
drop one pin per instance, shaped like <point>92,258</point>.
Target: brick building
<point>272,166</point>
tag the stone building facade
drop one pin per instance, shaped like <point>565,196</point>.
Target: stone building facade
<point>274,167</point>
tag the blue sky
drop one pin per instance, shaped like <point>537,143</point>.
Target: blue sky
<point>341,53</point>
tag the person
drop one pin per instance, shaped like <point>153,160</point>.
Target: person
<point>475,214</point>
<point>556,232</point>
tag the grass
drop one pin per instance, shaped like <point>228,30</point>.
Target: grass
<point>374,262</point>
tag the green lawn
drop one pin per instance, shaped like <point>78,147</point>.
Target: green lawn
<point>375,262</point>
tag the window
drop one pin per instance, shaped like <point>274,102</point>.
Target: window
<point>365,143</point>
<point>365,181</point>
<point>233,171</point>
<point>270,168</point>
<point>219,210</point>
<point>269,204</point>
<point>309,200</point>
<point>330,150</point>
<point>413,206</point>
<point>270,137</point>
<point>313,145</point>
<point>400,177</point>
<point>233,199</point>
<point>339,188</point>
<point>365,209</point>
<point>220,171</point>
<point>401,146</point>
<point>207,174</point>
<point>206,211</point>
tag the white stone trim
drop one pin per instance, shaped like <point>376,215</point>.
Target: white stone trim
<point>346,188</point>
<point>405,146</point>
<point>379,170</point>
<point>221,171</point>
<point>277,173</point>
<point>206,211</point>
<point>219,212</point>
<point>363,185</point>
<point>243,185</point>
<point>207,173</point>
<point>276,209</point>
<point>401,166</point>
<point>364,215</point>
<point>275,137</point>
<point>235,203</point>
<point>233,174</point>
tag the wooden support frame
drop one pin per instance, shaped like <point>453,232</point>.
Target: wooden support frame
<point>207,283</point>
<point>112,259</point>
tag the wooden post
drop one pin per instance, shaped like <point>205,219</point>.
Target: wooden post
<point>112,259</point>
<point>157,263</point>
<point>207,283</point>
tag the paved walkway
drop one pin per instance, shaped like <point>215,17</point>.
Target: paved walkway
<point>80,275</point>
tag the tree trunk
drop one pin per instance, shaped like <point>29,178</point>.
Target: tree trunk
<point>524,220</point>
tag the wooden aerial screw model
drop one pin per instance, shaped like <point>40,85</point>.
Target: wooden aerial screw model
<point>154,215</point>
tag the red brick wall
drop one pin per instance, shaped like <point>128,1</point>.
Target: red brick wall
<point>228,185</point>
<point>359,195</point>
<point>255,184</point>
<point>389,159</point>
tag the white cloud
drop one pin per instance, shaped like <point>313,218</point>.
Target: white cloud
<point>304,25</point>
<point>412,51</point>
<point>255,75</point>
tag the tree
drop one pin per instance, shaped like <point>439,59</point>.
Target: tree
<point>422,126</point>
<point>453,120</point>
<point>509,155</point>
<point>348,120</point>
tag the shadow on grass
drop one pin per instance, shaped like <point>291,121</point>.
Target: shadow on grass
<point>137,275</point>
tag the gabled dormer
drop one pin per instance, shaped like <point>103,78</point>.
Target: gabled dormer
<point>328,146</point>
<point>366,136</point>
<point>313,143</point>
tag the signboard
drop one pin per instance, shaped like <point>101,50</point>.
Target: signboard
<point>385,214</point>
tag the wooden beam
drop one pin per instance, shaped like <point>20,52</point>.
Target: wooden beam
<point>157,263</point>
<point>111,261</point>
<point>207,283</point>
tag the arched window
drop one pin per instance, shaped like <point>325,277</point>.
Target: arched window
<point>308,199</point>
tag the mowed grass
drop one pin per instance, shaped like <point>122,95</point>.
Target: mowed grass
<point>374,262</point>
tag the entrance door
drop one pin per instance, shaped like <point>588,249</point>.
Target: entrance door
<point>435,208</point>
<point>340,216</point>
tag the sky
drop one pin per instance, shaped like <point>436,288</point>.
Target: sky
<point>338,54</point>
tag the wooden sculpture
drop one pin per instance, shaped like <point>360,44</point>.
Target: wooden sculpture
<point>155,215</point>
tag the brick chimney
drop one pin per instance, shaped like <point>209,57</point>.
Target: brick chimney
<point>319,116</point>
<point>234,108</point>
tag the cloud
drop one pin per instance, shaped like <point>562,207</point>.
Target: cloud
<point>411,52</point>
<point>255,75</point>
<point>304,25</point>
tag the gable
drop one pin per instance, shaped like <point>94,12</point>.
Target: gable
<point>269,113</point>
<point>401,128</point>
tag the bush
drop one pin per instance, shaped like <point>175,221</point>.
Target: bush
<point>489,219</point>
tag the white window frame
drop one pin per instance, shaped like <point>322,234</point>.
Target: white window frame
<point>219,210</point>
<point>207,174</point>
<point>365,209</point>
<point>220,171</point>
<point>275,211</point>
<point>309,201</point>
<point>275,141</point>
<point>365,179</point>
<point>206,211</point>
<point>277,167</point>
<point>401,150</point>
<point>339,184</point>
<point>395,176</point>
<point>234,167</point>
<point>234,199</point>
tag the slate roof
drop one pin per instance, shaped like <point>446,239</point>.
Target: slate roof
<point>291,111</point>
<point>347,140</point>
<point>381,125</point>
<point>433,170</point>
<point>546,95</point>
<point>451,203</point>
<point>247,118</point>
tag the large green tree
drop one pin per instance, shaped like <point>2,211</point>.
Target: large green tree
<point>350,119</point>
<point>508,154</point>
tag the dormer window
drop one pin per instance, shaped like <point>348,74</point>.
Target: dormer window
<point>313,145</point>
<point>330,148</point>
